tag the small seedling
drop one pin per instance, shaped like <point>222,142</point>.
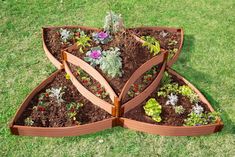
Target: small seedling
<point>135,89</point>
<point>179,109</point>
<point>172,42</point>
<point>28,121</point>
<point>67,76</point>
<point>72,109</point>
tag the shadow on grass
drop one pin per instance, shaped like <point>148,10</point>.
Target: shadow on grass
<point>229,126</point>
<point>188,48</point>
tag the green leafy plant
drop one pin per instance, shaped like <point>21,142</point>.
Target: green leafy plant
<point>179,109</point>
<point>111,62</point>
<point>72,109</point>
<point>201,119</point>
<point>188,92</point>
<point>167,89</point>
<point>83,42</point>
<point>81,72</point>
<point>28,121</point>
<point>172,53</point>
<point>153,109</point>
<point>152,44</point>
<point>99,90</point>
<point>166,79</point>
<point>150,74</point>
<point>113,22</point>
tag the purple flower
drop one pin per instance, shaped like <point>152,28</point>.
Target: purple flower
<point>95,54</point>
<point>102,35</point>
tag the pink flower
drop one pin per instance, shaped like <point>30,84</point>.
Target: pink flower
<point>102,35</point>
<point>95,54</point>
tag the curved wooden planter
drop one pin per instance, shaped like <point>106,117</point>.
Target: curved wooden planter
<point>170,29</point>
<point>176,130</point>
<point>118,108</point>
<point>53,60</point>
<point>54,131</point>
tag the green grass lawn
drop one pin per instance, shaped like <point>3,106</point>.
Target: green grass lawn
<point>207,60</point>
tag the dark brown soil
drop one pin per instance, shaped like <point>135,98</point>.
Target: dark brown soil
<point>53,42</point>
<point>164,41</point>
<point>55,115</point>
<point>168,115</point>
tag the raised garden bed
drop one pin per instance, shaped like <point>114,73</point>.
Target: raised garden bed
<point>114,77</point>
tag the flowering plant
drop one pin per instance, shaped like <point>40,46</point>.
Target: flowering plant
<point>93,56</point>
<point>101,37</point>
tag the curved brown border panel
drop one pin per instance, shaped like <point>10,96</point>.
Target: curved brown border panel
<point>62,131</point>
<point>176,130</point>
<point>86,93</point>
<point>170,29</point>
<point>143,95</point>
<point>54,61</point>
<point>171,130</point>
<point>54,131</point>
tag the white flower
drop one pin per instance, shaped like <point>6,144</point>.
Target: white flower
<point>172,99</point>
<point>197,109</point>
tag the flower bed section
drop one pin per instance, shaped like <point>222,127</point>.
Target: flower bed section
<point>174,122</point>
<point>56,108</point>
